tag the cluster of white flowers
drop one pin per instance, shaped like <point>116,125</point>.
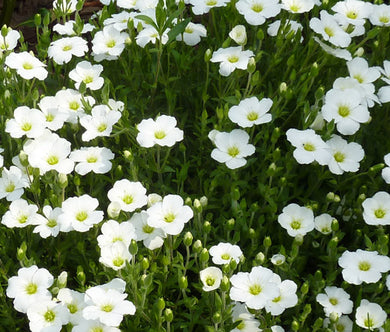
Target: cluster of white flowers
<point>99,308</point>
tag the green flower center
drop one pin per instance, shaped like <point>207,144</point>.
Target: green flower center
<point>51,223</point>
<point>379,213</point>
<point>102,127</point>
<point>329,31</point>
<point>352,15</point>
<point>31,288</point>
<point>10,188</point>
<point>211,3</point>
<point>160,134</point>
<point>97,329</point>
<point>241,326</point>
<point>118,262</point>
<point>111,43</point>
<point>72,308</point>
<point>52,160</point>
<point>340,328</point>
<point>295,8</point>
<point>49,316</point>
<point>22,219</point>
<point>252,116</point>
<point>359,78</point>
<point>257,8</point>
<point>26,126</point>
<point>233,59</point>
<point>81,216</point>
<point>364,266</point>
<point>169,217</point>
<point>384,19</point>
<point>210,281</point>
<point>27,66</point>
<point>128,199</point>
<point>339,157</point>
<point>255,289</point>
<point>344,111</point>
<point>92,159</point>
<point>295,224</point>
<point>49,117</point>
<point>116,239</point>
<point>277,299</point>
<point>333,301</point>
<point>188,30</point>
<point>147,229</point>
<point>107,308</point>
<point>309,147</point>
<point>225,257</point>
<point>88,79</point>
<point>368,322</point>
<point>67,48</point>
<point>233,151</point>
<point>74,105</point>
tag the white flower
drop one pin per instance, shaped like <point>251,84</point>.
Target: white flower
<point>93,325</point>
<point>63,49</point>
<point>55,117</point>
<point>9,42</point>
<point>12,182</point>
<point>49,225</point>
<point>152,237</point>
<point>68,28</point>
<point>26,65</point>
<point>359,70</point>
<point>108,306</point>
<point>192,34</point>
<point>170,215</point>
<point>345,108</point>
<point>257,11</point>
<point>251,111</point>
<point>79,213</point>
<point>49,152</point>
<point>27,121</point>
<point>162,131</point>
<point>115,256</point>
<point>254,288</point>
<point>99,123</point>
<point>323,223</point>
<point>376,210</point>
<point>108,44</point>
<point>238,34</point>
<point>201,7</point>
<point>299,6</point>
<point>118,21</point>
<point>337,52</point>
<point>248,323</point>
<point>150,34</point>
<point>335,300</point>
<point>92,159</point>
<point>87,73</point>
<point>380,15</point>
<point>47,315</point>
<point>65,6</point>
<point>130,195</point>
<point>211,278</point>
<point>74,302</point>
<point>330,30</point>
<point>223,253</point>
<point>291,25</point>
<point>370,315</point>
<point>21,214</point>
<point>232,148</point>
<point>29,287</point>
<point>112,232</point>
<point>309,146</point>
<point>344,323</point>
<point>278,259</point>
<point>231,58</point>
<point>297,220</point>
<point>345,156</point>
<point>363,266</point>
<point>287,297</point>
<point>386,170</point>
<point>352,11</point>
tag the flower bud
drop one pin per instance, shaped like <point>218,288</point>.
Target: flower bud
<point>62,279</point>
<point>128,155</point>
<point>188,201</point>
<point>305,288</point>
<point>206,227</point>
<point>298,240</point>
<point>62,180</point>
<point>133,248</point>
<point>230,224</point>
<point>37,20</point>
<point>260,258</point>
<point>153,198</point>
<point>203,201</point>
<point>267,242</point>
<point>238,34</point>
<point>197,205</point>
<point>359,52</point>
<point>4,31</point>
<point>225,284</point>
<point>168,314</point>
<point>251,65</point>
<point>252,233</point>
<point>145,263</point>
<point>207,55</point>
<point>183,282</point>
<point>160,304</point>
<point>283,87</point>
<point>204,255</point>
<point>197,246</point>
<point>217,318</point>
<point>23,158</point>
<point>113,210</point>
<point>188,238</point>
<point>335,225</point>
<point>80,275</point>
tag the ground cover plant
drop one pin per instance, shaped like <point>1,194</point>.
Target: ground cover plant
<point>200,165</point>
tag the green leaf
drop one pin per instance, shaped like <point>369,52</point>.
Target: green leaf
<point>177,29</point>
<point>147,20</point>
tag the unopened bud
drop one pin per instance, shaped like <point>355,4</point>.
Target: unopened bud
<point>160,304</point>
<point>230,224</point>
<point>62,180</point>
<point>133,248</point>
<point>207,55</point>
<point>267,242</point>
<point>203,201</point>
<point>238,34</point>
<point>114,209</point>
<point>206,227</point>
<point>183,282</point>
<point>168,314</point>
<point>359,52</point>
<point>204,255</point>
<point>153,199</point>
<point>283,87</point>
<point>62,279</point>
<point>188,239</point>
<point>197,205</point>
<point>145,263</point>
<point>251,65</point>
<point>197,246</point>
<point>225,284</point>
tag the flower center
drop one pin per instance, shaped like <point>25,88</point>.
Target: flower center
<point>31,288</point>
<point>364,266</point>
<point>255,289</point>
<point>329,31</point>
<point>241,326</point>
<point>295,224</point>
<point>107,308</point>
<point>49,117</point>
<point>10,188</point>
<point>233,151</point>
<point>26,126</point>
<point>128,199</point>
<point>359,78</point>
<point>27,66</point>
<point>51,223</point>
<point>384,19</point>
<point>210,281</point>
<point>67,48</point>
<point>92,159</point>
<point>111,43</point>
<point>277,299</point>
<point>339,157</point>
<point>352,15</point>
<point>233,58</point>
<point>81,216</point>
<point>97,329</point>
<point>52,160</point>
<point>379,213</point>
<point>147,229</point>
<point>340,328</point>
<point>74,105</point>
<point>72,308</point>
<point>333,301</point>
<point>344,111</point>
<point>225,257</point>
<point>368,322</point>
<point>188,30</point>
<point>309,147</point>
<point>257,7</point>
<point>22,219</point>
<point>118,262</point>
<point>211,3</point>
<point>102,127</point>
<point>252,116</point>
<point>325,230</point>
<point>169,217</point>
<point>88,79</point>
<point>160,134</point>
<point>294,8</point>
<point>116,239</point>
<point>49,316</point>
